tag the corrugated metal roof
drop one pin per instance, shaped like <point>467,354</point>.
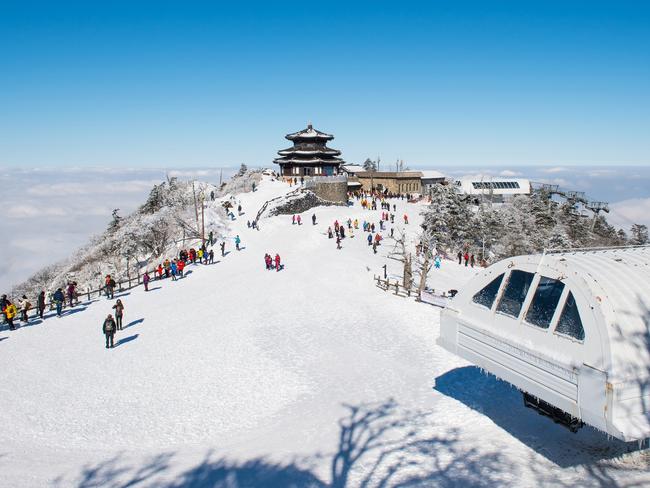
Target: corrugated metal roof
<point>619,280</point>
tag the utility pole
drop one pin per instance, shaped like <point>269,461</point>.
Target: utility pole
<point>220,177</point>
<point>202,223</point>
<point>196,208</point>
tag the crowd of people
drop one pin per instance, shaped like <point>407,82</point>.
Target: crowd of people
<point>112,325</point>
<point>273,262</point>
<point>15,312</point>
<point>20,309</point>
<point>466,257</point>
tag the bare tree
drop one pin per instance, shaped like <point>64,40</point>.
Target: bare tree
<point>400,253</point>
<point>426,245</point>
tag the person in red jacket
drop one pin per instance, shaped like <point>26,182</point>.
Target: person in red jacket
<point>277,262</point>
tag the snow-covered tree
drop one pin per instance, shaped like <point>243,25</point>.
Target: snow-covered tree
<point>369,165</point>
<point>116,220</point>
<point>447,219</point>
<point>638,234</point>
<point>242,170</point>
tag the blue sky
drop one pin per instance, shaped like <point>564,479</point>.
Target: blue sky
<point>434,83</point>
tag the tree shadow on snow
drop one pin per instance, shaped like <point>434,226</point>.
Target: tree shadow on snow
<point>503,404</point>
<point>116,472</point>
<point>133,322</point>
<point>120,295</point>
<point>154,289</point>
<point>126,339</point>
<point>3,338</point>
<point>379,445</point>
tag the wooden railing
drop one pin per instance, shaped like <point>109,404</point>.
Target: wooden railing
<point>120,286</point>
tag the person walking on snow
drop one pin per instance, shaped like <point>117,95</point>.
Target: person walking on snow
<point>181,266</point>
<point>10,313</point>
<point>237,242</point>
<point>109,330</point>
<point>472,261</point>
<point>110,286</point>
<point>3,304</point>
<point>145,280</point>
<point>223,248</point>
<point>40,304</point>
<point>293,220</point>
<point>299,220</point>
<point>58,298</point>
<point>71,292</point>
<point>267,261</point>
<point>211,256</point>
<point>277,262</point>
<point>313,219</point>
<point>174,269</point>
<point>338,242</point>
<point>406,219</point>
<point>460,257</point>
<point>466,257</point>
<point>119,313</point>
<point>24,308</point>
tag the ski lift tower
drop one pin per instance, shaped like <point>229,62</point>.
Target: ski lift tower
<point>596,208</point>
<point>548,190</point>
<point>576,198</point>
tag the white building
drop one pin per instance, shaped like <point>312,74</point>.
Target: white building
<point>495,190</point>
<point>352,169</point>
<point>569,329</point>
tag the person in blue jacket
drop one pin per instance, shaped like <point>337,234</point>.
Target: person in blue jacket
<point>237,242</point>
<point>58,298</point>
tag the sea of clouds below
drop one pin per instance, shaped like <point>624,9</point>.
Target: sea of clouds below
<point>48,213</point>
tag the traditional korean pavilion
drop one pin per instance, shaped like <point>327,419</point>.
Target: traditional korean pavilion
<point>309,155</point>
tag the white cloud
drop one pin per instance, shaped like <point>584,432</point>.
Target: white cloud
<point>509,173</point>
<point>26,211</point>
<point>555,181</point>
<point>194,173</point>
<point>91,188</point>
<point>556,169</point>
<point>627,212</point>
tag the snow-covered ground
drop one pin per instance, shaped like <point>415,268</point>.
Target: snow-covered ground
<point>312,376</point>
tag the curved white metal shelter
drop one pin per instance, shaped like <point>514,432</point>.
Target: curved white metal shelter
<point>571,329</point>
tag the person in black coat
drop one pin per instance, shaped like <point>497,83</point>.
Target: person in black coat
<point>40,304</point>
<point>109,330</point>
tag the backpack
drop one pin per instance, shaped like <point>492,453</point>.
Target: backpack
<point>109,326</point>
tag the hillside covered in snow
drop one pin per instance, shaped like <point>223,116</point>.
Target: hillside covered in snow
<point>169,220</point>
<point>238,376</point>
